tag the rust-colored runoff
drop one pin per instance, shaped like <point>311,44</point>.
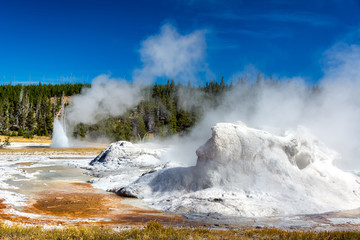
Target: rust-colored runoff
<point>80,204</point>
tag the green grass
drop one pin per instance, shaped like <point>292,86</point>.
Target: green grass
<point>155,230</point>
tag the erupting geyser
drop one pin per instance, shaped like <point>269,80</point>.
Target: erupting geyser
<point>59,138</point>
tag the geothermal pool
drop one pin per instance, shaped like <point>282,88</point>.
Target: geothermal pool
<point>55,190</point>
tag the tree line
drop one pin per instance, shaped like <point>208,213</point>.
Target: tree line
<point>165,109</point>
<point>162,112</point>
<point>28,110</point>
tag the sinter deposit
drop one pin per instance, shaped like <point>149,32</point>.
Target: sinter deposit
<point>242,171</point>
<point>123,162</point>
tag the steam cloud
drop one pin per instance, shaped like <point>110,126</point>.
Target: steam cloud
<point>167,54</point>
<point>172,55</point>
<point>106,97</point>
<point>333,114</point>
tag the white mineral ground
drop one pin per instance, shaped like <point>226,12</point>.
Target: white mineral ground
<point>240,171</point>
<point>242,176</point>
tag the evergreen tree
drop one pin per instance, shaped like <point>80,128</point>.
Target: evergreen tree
<point>30,120</point>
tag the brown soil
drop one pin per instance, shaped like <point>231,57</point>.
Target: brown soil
<point>36,139</point>
<point>355,213</point>
<point>25,163</point>
<point>51,151</point>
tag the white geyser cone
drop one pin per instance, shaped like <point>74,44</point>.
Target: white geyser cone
<point>59,138</point>
<point>241,171</point>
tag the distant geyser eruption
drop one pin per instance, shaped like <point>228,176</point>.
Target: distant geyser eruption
<point>59,138</point>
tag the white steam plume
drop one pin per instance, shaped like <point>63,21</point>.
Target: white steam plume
<point>172,55</point>
<point>106,97</point>
<point>336,117</point>
<point>333,114</point>
<point>168,54</point>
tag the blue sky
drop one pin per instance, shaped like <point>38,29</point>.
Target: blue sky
<point>48,40</point>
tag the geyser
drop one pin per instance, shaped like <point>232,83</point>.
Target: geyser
<point>59,138</point>
<point>243,171</point>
